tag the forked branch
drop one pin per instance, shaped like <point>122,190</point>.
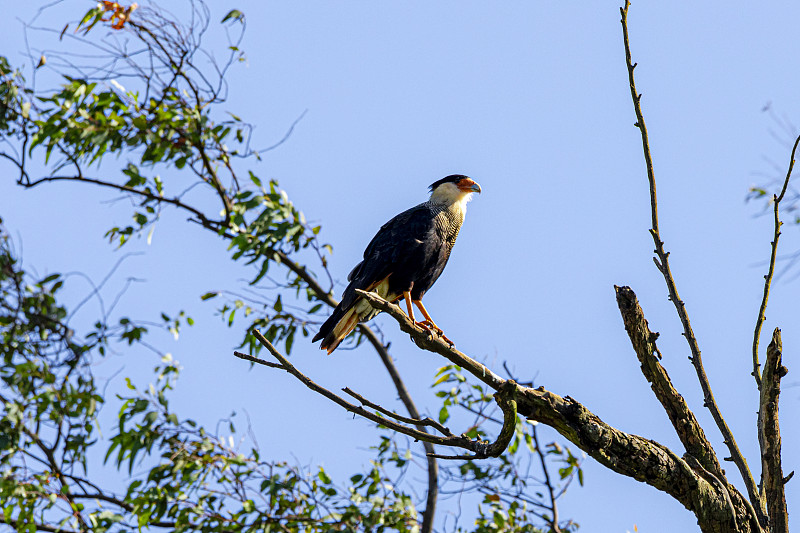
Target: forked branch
<point>479,448</point>
<point>717,507</point>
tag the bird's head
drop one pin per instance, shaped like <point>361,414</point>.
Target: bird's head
<point>453,188</point>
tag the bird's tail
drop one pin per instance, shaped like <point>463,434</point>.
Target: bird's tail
<point>343,321</point>
<point>336,328</point>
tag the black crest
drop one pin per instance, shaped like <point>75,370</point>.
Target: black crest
<point>452,178</point>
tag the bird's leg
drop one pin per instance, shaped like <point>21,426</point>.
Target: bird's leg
<point>407,297</point>
<point>428,323</point>
<point>428,320</point>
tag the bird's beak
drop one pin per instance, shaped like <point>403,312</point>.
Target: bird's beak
<point>468,185</point>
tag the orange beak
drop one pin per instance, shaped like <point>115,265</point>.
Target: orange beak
<point>468,185</point>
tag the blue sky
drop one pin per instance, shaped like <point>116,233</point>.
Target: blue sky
<point>531,100</point>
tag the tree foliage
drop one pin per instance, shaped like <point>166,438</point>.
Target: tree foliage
<point>154,100</point>
<point>143,115</point>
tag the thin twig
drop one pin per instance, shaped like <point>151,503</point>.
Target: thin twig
<point>663,265</point>
<point>548,483</point>
<point>252,359</point>
<point>776,200</point>
<point>417,422</point>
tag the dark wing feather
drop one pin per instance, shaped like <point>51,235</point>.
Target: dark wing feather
<point>401,245</point>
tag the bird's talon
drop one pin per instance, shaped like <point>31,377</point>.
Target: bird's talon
<point>430,326</point>
<point>434,330</point>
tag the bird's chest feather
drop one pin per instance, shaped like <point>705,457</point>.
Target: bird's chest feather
<point>447,224</point>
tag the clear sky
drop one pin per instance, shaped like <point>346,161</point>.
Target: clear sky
<point>531,100</point>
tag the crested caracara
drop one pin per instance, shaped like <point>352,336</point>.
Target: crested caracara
<point>404,259</point>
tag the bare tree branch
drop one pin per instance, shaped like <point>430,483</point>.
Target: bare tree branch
<point>427,341</point>
<point>776,200</point>
<point>481,449</point>
<point>639,458</point>
<point>769,437</point>
<point>433,466</point>
<point>415,421</point>
<point>201,217</point>
<point>405,397</point>
<point>662,263</point>
<point>689,431</point>
<point>548,483</point>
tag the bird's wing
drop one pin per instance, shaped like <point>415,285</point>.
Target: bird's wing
<point>404,239</point>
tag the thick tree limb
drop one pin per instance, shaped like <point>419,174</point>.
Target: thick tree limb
<point>662,263</point>
<point>636,457</point>
<point>717,506</point>
<point>689,431</point>
<point>769,437</point>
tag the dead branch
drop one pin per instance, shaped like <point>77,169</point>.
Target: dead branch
<point>662,263</point>
<point>769,437</point>
<point>714,503</point>
<point>689,431</point>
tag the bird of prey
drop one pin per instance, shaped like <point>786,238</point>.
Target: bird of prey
<point>404,259</point>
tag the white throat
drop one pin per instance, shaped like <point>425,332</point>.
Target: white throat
<point>449,195</point>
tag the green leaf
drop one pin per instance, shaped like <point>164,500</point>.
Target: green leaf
<point>49,278</point>
<point>323,476</point>
<point>442,379</point>
<point>140,122</point>
<point>233,14</point>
